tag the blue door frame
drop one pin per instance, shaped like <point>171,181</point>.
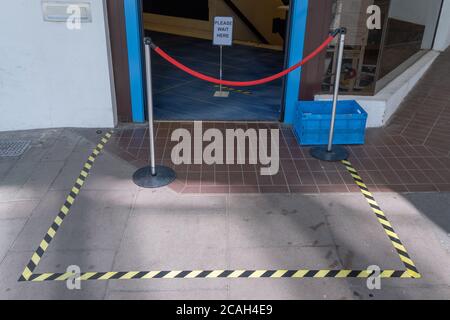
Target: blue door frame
<point>296,44</point>
<point>298,17</point>
<point>133,25</point>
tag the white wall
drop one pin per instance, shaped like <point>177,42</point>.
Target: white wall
<point>443,33</point>
<point>51,76</point>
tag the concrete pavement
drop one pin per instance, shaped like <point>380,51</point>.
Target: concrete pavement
<point>116,226</point>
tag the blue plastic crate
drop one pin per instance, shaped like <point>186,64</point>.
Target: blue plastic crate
<point>313,118</point>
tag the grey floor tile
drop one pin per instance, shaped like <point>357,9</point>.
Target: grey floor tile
<point>32,234</point>
<point>169,285</point>
<point>11,289</point>
<point>40,180</point>
<point>17,209</point>
<point>87,261</point>
<point>408,291</point>
<point>156,202</point>
<point>170,242</point>
<point>169,295</point>
<point>361,240</point>
<point>15,179</point>
<point>5,166</point>
<point>9,230</point>
<point>276,221</point>
<point>289,289</point>
<point>63,146</point>
<point>284,258</point>
<point>111,173</point>
<point>50,204</point>
<point>96,221</point>
<point>68,175</point>
<point>428,253</point>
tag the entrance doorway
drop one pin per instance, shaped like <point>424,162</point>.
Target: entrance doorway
<point>184,30</point>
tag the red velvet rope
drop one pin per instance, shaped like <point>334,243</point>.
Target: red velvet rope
<point>244,83</point>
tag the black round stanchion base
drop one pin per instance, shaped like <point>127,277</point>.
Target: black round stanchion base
<point>164,176</point>
<point>337,153</point>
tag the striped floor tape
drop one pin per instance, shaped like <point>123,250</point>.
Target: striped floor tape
<point>64,211</point>
<point>28,274</point>
<point>218,274</point>
<point>245,92</point>
<point>390,232</point>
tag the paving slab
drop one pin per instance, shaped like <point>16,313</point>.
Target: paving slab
<point>195,294</point>
<point>117,226</point>
<point>42,142</point>
<point>211,287</point>
<point>276,221</point>
<point>173,242</point>
<point>32,234</point>
<point>430,257</point>
<point>17,209</point>
<point>86,260</point>
<point>165,201</point>
<point>410,291</point>
<point>5,165</point>
<point>9,230</point>
<point>284,258</point>
<point>289,289</point>
<point>62,147</point>
<point>15,179</point>
<point>110,173</point>
<point>96,221</point>
<point>40,180</point>
<point>73,165</point>
<point>11,289</point>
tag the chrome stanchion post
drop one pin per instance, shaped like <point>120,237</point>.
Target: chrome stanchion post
<point>152,176</point>
<point>334,153</point>
<point>221,93</point>
<point>149,86</point>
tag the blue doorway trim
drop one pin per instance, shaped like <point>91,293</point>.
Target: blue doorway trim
<point>134,44</point>
<point>298,21</point>
<point>296,45</point>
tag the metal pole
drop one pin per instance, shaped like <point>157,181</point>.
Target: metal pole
<point>221,93</point>
<point>152,176</point>
<point>331,152</point>
<point>221,66</point>
<point>336,88</point>
<point>148,75</point>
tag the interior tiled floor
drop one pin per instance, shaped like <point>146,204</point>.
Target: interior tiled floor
<point>412,154</point>
<point>178,96</point>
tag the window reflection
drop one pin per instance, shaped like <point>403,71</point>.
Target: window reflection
<point>373,58</point>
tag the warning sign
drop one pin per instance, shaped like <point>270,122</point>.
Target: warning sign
<point>223,31</point>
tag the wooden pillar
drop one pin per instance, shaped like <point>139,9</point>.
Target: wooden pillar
<point>116,20</point>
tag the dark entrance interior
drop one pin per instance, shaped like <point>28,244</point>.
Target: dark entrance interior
<point>184,29</point>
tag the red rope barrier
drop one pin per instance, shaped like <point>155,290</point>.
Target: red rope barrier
<point>244,83</point>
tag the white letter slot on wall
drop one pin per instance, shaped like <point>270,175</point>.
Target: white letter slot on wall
<point>57,11</point>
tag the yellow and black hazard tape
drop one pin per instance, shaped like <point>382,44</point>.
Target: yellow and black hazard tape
<point>217,274</point>
<point>245,92</point>
<point>65,209</point>
<point>411,271</point>
<point>392,235</point>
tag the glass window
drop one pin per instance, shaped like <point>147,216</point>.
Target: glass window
<point>373,58</point>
